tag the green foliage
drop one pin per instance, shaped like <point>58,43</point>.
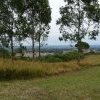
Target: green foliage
<point>22,19</point>
<point>37,19</point>
<point>89,1</point>
<point>49,58</point>
<point>82,45</point>
<point>60,57</point>
<point>76,19</point>
<point>4,53</point>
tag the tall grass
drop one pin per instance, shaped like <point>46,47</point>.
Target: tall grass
<point>25,69</point>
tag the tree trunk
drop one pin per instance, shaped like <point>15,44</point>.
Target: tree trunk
<point>79,22</point>
<point>12,49</point>
<point>78,59</point>
<point>39,46</point>
<point>33,34</point>
<point>33,48</point>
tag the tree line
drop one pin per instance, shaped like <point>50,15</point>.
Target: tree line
<point>21,19</point>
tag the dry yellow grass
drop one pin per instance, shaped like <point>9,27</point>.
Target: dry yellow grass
<point>91,60</point>
<point>20,69</point>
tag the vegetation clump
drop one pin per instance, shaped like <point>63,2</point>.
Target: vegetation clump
<point>4,53</point>
<point>60,57</point>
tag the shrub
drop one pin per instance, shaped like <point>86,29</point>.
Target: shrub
<point>60,57</point>
<point>49,58</point>
<point>4,53</point>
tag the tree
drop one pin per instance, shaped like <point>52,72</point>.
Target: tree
<point>20,19</point>
<point>6,25</point>
<point>76,23</point>
<point>82,46</point>
<point>3,20</point>
<point>37,13</point>
<point>12,25</point>
<point>42,35</point>
<point>93,13</point>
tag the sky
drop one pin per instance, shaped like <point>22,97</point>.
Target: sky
<point>54,34</point>
<point>54,31</point>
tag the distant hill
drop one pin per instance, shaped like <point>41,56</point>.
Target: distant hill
<point>61,48</point>
<point>55,48</point>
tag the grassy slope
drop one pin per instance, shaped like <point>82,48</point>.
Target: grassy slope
<point>80,85</point>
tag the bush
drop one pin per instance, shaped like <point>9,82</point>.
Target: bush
<point>49,58</point>
<point>60,57</point>
<point>4,53</point>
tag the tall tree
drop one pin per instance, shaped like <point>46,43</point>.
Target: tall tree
<point>12,24</point>
<point>93,13</point>
<point>37,12</point>
<point>76,23</point>
<point>42,35</point>
<point>6,28</point>
<point>3,20</point>
<point>19,19</point>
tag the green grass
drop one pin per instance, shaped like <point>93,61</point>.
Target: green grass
<point>79,85</point>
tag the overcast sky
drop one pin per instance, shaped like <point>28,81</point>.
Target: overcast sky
<point>54,32</point>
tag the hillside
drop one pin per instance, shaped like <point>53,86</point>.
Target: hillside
<point>81,85</point>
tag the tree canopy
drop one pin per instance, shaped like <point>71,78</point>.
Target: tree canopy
<point>20,19</point>
<point>79,18</point>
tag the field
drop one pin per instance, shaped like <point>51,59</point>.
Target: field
<point>80,85</point>
<point>50,81</point>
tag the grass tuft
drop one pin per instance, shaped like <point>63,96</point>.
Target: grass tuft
<point>25,69</point>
